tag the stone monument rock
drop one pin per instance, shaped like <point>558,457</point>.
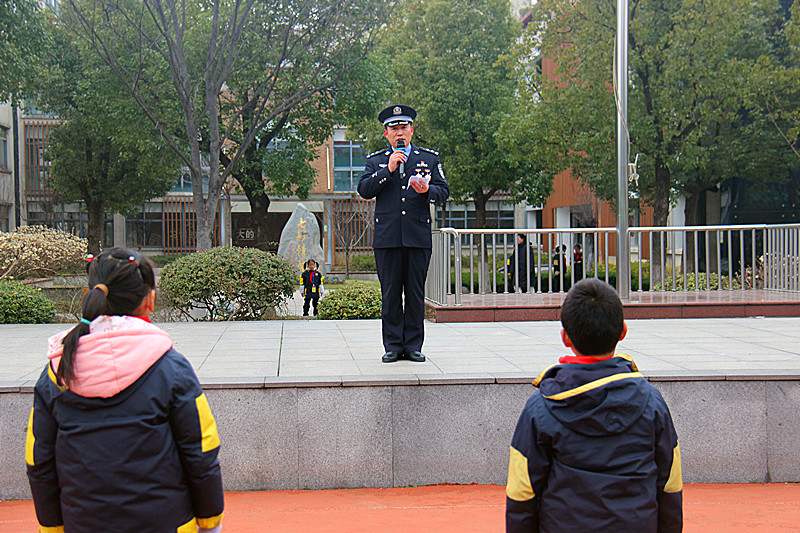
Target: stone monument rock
<point>300,239</point>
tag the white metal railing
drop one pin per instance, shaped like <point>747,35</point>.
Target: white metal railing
<point>691,258</point>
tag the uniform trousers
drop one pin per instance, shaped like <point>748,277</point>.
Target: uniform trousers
<point>402,273</point>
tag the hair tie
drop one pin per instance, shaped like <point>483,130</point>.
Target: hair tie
<point>89,258</point>
<point>132,259</point>
<point>87,322</point>
<point>102,288</point>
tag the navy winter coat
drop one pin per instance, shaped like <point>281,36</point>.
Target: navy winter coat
<point>131,445</point>
<point>594,450</point>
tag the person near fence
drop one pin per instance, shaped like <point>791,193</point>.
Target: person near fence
<point>577,263</point>
<point>405,180</point>
<point>558,268</point>
<point>595,448</point>
<point>312,286</point>
<point>521,263</point>
<point>121,436</point>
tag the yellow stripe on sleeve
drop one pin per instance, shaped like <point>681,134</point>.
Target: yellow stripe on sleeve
<point>675,481</point>
<point>209,523</point>
<point>208,425</point>
<point>55,529</point>
<point>29,441</point>
<point>188,527</point>
<point>519,482</point>
<point>53,378</point>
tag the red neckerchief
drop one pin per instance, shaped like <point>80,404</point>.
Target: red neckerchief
<point>582,359</point>
<point>145,318</point>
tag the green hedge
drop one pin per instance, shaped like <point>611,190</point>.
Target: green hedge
<point>351,302</point>
<point>363,263</point>
<point>21,304</point>
<point>227,283</point>
<point>690,283</point>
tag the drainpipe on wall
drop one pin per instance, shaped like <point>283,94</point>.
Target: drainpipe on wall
<point>17,178</point>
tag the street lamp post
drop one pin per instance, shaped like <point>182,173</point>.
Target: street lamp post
<point>621,88</point>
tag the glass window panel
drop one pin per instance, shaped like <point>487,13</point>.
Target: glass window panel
<point>3,149</point>
<point>358,157</point>
<point>145,229</point>
<point>506,220</point>
<point>341,156</point>
<point>341,181</point>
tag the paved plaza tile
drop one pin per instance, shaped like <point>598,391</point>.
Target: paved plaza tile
<point>297,349</point>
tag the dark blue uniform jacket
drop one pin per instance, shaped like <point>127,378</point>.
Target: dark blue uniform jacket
<point>141,460</point>
<point>403,216</point>
<point>594,450</point>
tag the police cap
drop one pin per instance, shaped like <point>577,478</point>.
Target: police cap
<point>397,114</point>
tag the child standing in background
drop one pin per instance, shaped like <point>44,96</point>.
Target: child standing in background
<point>121,436</point>
<point>312,286</point>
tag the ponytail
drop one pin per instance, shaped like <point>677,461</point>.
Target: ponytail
<point>119,281</point>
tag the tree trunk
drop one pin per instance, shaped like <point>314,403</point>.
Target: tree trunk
<point>95,226</point>
<point>252,183</point>
<point>660,215</point>
<point>259,208</point>
<point>480,199</point>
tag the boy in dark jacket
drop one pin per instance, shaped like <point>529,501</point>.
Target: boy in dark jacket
<point>312,286</point>
<point>595,448</point>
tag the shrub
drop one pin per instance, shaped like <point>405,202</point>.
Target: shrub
<point>31,251</point>
<point>363,263</point>
<point>21,304</point>
<point>227,283</point>
<point>351,302</point>
<point>690,283</point>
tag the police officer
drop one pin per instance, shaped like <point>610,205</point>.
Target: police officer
<point>404,180</point>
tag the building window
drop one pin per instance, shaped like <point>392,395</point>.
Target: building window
<point>3,149</point>
<point>70,218</point>
<point>5,215</point>
<point>348,165</point>
<point>146,229</point>
<point>498,216</point>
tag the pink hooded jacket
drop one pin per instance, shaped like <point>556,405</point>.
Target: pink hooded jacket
<point>115,353</point>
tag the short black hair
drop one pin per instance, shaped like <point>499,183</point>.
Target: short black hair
<point>592,316</point>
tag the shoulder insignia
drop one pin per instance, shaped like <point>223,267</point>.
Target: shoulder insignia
<point>434,152</point>
<point>376,152</point>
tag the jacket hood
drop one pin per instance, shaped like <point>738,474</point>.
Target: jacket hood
<point>597,399</point>
<point>114,354</point>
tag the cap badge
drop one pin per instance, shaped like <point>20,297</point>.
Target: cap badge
<point>397,110</point>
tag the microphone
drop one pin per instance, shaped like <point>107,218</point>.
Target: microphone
<point>401,145</point>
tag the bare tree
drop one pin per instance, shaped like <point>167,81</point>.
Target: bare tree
<point>352,221</point>
<point>191,49</point>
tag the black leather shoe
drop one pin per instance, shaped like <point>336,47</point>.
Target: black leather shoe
<point>416,356</point>
<point>390,357</point>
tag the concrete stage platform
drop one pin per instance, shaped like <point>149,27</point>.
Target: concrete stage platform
<point>667,304</point>
<point>308,404</point>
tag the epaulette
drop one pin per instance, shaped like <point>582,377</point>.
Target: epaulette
<point>376,152</point>
<point>434,152</point>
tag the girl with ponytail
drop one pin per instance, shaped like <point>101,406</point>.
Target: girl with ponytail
<point>121,436</point>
